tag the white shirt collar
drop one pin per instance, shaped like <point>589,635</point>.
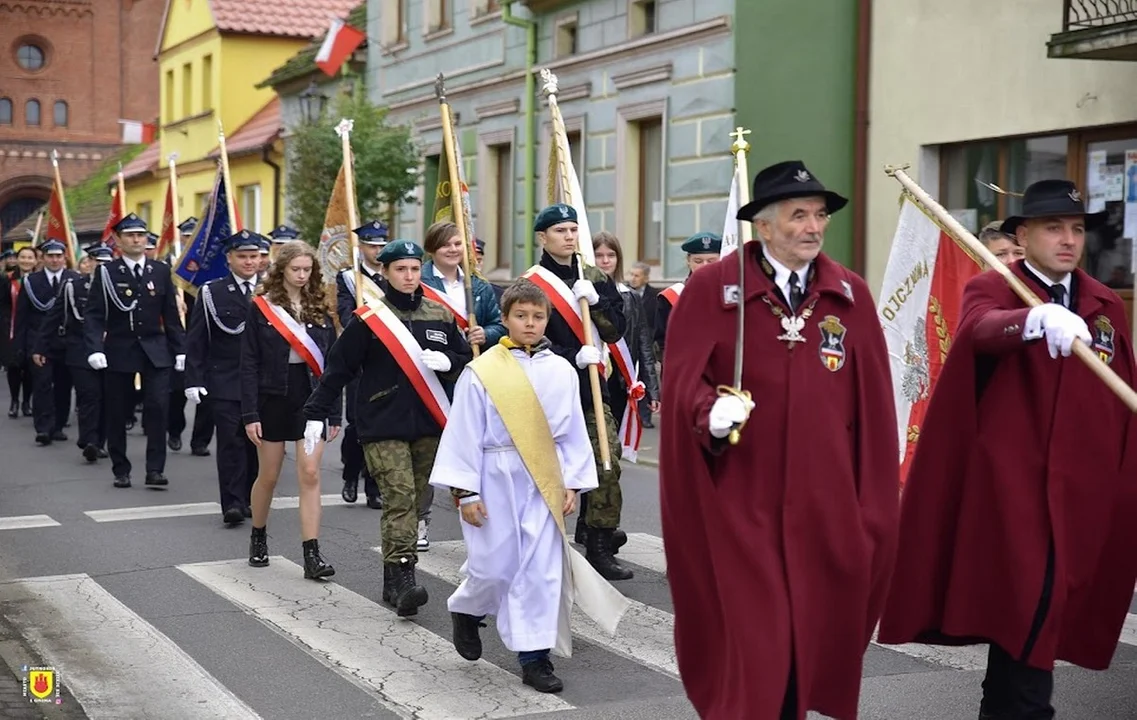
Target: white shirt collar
<point>53,275</point>
<point>241,281</point>
<point>1064,282</point>
<point>372,271</point>
<point>131,264</point>
<point>438,273</point>
<point>782,273</point>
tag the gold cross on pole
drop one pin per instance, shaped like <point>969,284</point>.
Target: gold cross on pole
<point>740,143</point>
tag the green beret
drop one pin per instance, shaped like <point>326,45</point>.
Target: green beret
<point>400,250</point>
<point>554,215</point>
<point>703,243</point>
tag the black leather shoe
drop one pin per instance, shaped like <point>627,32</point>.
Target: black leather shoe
<point>174,443</point>
<point>246,511</point>
<point>374,502</point>
<point>314,565</point>
<point>102,453</point>
<point>599,554</point>
<point>43,439</point>
<point>156,479</point>
<point>27,408</point>
<point>258,548</point>
<point>539,675</point>
<point>350,491</point>
<point>200,452</point>
<point>619,540</point>
<point>59,436</point>
<point>14,409</point>
<point>233,517</point>
<point>467,639</point>
<point>90,453</point>
<point>122,481</point>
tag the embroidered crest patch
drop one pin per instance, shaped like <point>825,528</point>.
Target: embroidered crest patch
<point>832,350</point>
<point>436,336</point>
<point>1102,343</point>
<point>730,294</point>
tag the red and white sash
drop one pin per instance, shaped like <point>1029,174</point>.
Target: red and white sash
<point>405,349</point>
<point>294,332</point>
<point>672,293</point>
<point>631,425</point>
<point>440,297</point>
<point>565,303</point>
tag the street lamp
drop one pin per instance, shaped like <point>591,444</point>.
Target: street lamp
<point>312,103</point>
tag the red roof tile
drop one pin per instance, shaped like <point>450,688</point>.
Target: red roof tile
<point>147,161</point>
<point>286,18</point>
<point>261,130</point>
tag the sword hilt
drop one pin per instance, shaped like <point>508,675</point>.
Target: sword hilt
<point>744,395</point>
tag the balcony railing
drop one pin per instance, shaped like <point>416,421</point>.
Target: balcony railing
<point>1085,14</point>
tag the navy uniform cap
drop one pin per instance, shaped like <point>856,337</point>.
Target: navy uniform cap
<point>554,215</point>
<point>400,250</point>
<point>130,223</point>
<point>372,233</point>
<point>244,240</point>
<point>283,234</point>
<point>102,253</point>
<point>479,245</point>
<point>53,246</point>
<point>7,254</point>
<point>151,241</point>
<point>265,244</point>
<point>188,225</point>
<point>703,243</point>
<point>93,247</point>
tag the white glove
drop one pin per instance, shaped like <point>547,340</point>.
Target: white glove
<point>179,363</point>
<point>312,431</point>
<point>195,394</point>
<point>585,289</point>
<point>588,355</point>
<point>728,411</point>
<point>97,361</point>
<point>436,361</point>
<point>1060,326</point>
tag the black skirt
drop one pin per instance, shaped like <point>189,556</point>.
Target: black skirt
<point>282,416</point>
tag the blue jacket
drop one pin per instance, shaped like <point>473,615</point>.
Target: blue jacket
<point>487,311</point>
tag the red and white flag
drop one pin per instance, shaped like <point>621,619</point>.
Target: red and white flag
<point>117,213</point>
<point>135,132</point>
<point>919,312</point>
<point>340,42</point>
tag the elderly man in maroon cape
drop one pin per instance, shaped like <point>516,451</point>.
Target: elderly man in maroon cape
<point>779,548</point>
<point>1028,546</point>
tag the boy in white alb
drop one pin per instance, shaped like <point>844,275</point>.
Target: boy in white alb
<point>515,453</point>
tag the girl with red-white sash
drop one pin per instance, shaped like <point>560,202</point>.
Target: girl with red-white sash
<point>287,334</point>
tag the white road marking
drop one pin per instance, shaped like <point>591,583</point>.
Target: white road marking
<point>410,670</point>
<point>151,512</point>
<point>24,522</point>
<point>115,663</point>
<point>645,634</point>
<point>644,550</point>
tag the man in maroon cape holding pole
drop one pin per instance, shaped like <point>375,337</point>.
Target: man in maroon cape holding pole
<point>779,548</point>
<point>1028,546</point>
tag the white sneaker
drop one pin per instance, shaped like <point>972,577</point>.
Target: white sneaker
<point>423,543</point>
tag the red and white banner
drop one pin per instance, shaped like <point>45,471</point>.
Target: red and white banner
<point>672,293</point>
<point>405,349</point>
<point>565,303</point>
<point>919,312</point>
<point>136,133</point>
<point>340,42</point>
<point>294,332</point>
<point>631,424</point>
<point>441,297</point>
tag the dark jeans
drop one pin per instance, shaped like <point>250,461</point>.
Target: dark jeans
<point>526,657</point>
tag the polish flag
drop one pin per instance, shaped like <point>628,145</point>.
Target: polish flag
<point>135,133</point>
<point>341,41</point>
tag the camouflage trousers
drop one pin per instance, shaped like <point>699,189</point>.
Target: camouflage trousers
<point>605,502</point>
<point>402,471</point>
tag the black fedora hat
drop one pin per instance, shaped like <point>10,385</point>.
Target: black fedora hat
<point>785,180</point>
<point>1052,198</point>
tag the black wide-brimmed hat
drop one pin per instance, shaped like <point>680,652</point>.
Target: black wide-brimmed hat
<point>1052,198</point>
<point>783,181</point>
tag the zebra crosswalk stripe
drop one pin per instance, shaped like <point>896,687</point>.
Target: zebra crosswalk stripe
<point>645,634</point>
<point>412,671</point>
<point>116,664</point>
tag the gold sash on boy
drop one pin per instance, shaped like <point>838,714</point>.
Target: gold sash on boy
<point>516,401</point>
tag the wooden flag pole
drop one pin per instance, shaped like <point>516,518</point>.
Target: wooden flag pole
<point>343,129</point>
<point>978,249</point>
<point>560,148</point>
<point>39,226</point>
<point>457,209</point>
<point>177,233</point>
<point>72,242</point>
<point>121,192</point>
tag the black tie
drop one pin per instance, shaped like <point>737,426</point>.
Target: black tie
<point>138,273</point>
<point>795,292</point>
<point>248,289</point>
<point>54,284</point>
<point>1057,294</point>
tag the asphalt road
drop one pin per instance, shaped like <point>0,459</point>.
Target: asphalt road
<point>152,612</point>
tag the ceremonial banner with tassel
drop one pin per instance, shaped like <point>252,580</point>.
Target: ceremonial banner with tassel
<point>919,312</point>
<point>117,213</point>
<point>168,238</point>
<point>58,221</point>
<point>204,257</point>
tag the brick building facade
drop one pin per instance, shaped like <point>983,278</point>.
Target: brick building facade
<point>69,71</point>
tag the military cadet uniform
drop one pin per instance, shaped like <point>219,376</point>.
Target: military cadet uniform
<point>602,516</point>
<point>51,383</point>
<point>132,326</point>
<point>64,326</point>
<point>398,431</point>
<point>213,374</point>
<point>697,244</point>
<point>351,452</point>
